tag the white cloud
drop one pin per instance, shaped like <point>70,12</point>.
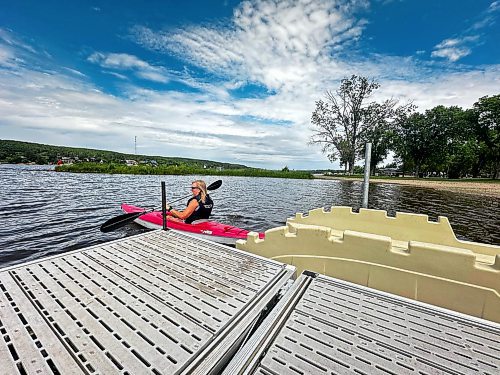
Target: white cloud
<point>74,71</point>
<point>456,88</point>
<point>494,6</point>
<point>48,106</point>
<point>451,53</point>
<point>117,75</point>
<point>454,49</point>
<point>290,48</point>
<point>6,56</point>
<point>487,18</point>
<point>9,38</point>
<point>123,61</point>
<point>177,124</point>
<point>275,43</point>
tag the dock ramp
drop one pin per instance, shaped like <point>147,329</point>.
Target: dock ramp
<point>156,303</point>
<point>328,326</point>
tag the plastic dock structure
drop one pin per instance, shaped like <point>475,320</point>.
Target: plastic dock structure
<point>407,255</point>
<point>327,326</point>
<point>157,303</point>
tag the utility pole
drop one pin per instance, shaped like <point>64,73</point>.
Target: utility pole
<point>135,144</point>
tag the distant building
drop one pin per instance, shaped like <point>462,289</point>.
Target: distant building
<point>152,163</point>
<point>66,160</point>
<point>131,162</point>
<point>394,172</point>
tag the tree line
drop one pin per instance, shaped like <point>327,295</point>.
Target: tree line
<point>446,141</point>
<point>14,152</point>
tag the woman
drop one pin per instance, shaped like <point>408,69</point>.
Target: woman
<point>198,207</point>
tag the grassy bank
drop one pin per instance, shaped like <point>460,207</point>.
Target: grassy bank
<point>112,168</point>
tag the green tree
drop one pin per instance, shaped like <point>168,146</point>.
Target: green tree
<point>462,149</point>
<point>461,161</point>
<point>382,133</point>
<point>380,137</point>
<point>425,140</point>
<point>411,141</point>
<point>454,155</point>
<point>487,126</point>
<point>342,123</point>
<point>358,169</point>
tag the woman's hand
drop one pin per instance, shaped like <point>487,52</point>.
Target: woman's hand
<point>193,205</point>
<point>173,218</point>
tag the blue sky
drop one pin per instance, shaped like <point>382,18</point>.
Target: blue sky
<point>228,80</point>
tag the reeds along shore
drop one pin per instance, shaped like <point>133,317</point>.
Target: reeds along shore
<point>112,168</point>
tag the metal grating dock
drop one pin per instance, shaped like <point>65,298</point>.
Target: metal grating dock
<point>327,326</point>
<point>159,303</point>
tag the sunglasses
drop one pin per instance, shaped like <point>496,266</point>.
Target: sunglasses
<point>194,187</point>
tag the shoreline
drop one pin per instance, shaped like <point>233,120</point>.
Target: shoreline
<point>474,188</point>
<point>177,170</point>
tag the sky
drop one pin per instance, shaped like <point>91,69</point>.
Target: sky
<point>229,81</point>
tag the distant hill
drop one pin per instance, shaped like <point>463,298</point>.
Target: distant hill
<point>27,152</point>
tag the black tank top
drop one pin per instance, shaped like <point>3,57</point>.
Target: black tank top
<point>203,210</point>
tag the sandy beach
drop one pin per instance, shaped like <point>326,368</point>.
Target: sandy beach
<point>476,188</point>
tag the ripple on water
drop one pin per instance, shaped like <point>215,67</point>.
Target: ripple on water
<point>44,213</point>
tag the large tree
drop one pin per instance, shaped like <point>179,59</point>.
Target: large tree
<point>462,151</point>
<point>346,120</point>
<point>487,113</point>
<point>428,141</point>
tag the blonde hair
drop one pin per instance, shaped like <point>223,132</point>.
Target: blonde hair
<point>200,184</point>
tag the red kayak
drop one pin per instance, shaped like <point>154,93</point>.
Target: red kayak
<point>210,230</point>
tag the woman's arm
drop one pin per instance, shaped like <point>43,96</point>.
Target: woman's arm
<point>184,214</point>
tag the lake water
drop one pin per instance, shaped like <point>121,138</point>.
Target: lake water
<point>43,212</point>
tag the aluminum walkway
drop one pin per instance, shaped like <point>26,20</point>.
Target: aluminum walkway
<point>168,303</point>
<point>158,303</point>
<point>327,326</point>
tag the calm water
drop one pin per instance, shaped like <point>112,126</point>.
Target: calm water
<point>44,213</point>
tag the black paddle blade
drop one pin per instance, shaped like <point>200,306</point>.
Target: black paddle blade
<point>120,221</point>
<point>215,185</point>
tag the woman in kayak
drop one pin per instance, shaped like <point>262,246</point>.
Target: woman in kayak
<point>198,207</point>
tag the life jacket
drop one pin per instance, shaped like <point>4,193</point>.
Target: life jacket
<point>203,210</point>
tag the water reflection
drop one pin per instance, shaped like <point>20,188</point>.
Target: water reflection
<point>43,212</point>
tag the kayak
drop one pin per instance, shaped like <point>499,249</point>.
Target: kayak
<point>207,229</point>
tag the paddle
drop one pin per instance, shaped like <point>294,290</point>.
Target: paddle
<point>121,220</point>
